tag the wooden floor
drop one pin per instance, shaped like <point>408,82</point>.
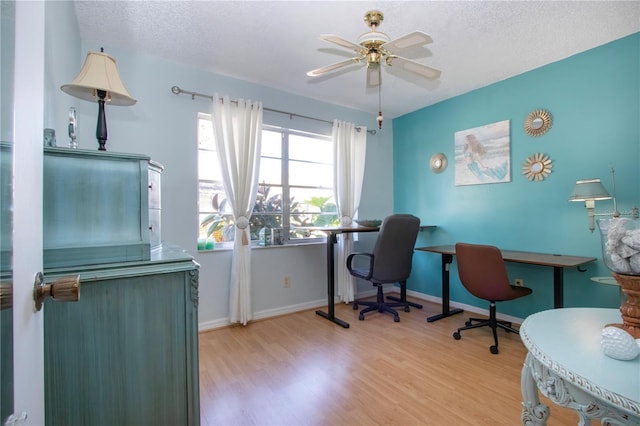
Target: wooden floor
<point>301,369</point>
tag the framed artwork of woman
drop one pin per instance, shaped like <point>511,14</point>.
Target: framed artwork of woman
<point>482,154</point>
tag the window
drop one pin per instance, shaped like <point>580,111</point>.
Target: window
<point>295,166</point>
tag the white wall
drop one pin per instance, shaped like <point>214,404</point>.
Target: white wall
<point>163,126</point>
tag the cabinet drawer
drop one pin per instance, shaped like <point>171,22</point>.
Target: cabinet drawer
<point>155,232</point>
<point>155,169</point>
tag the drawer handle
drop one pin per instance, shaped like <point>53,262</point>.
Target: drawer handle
<point>65,289</point>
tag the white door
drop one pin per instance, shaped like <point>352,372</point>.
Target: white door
<point>28,104</point>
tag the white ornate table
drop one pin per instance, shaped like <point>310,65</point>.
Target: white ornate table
<point>565,363</point>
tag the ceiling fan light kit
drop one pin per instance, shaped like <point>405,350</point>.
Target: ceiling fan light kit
<point>375,48</point>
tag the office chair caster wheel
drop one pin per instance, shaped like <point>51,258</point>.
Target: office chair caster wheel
<point>456,335</point>
<point>407,308</point>
<point>355,306</point>
<point>468,323</point>
<point>361,317</point>
<point>494,349</point>
<point>396,319</point>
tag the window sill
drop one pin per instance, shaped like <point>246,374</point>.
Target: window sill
<point>229,247</point>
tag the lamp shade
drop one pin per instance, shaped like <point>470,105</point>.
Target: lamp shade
<point>99,72</point>
<point>589,189</point>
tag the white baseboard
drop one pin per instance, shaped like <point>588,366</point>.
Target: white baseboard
<point>463,306</point>
<point>223,322</point>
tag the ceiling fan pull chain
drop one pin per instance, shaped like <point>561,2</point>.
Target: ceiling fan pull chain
<point>380,118</point>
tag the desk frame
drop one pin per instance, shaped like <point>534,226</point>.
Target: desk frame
<point>557,261</point>
<point>332,238</point>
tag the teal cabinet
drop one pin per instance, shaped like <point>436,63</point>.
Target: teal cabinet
<point>127,352</point>
<point>95,207</point>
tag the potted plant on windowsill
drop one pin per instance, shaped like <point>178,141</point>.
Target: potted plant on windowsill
<point>219,226</point>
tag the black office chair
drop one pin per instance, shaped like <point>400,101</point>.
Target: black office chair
<point>483,273</point>
<point>390,262</point>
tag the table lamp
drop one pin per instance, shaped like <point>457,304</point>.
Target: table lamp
<point>99,81</point>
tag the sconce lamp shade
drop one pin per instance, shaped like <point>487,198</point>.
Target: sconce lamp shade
<point>99,72</point>
<point>589,189</point>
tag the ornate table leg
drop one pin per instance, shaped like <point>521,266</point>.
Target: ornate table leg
<point>533,412</point>
<point>537,376</point>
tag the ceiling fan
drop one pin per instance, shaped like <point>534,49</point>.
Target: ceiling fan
<point>375,48</point>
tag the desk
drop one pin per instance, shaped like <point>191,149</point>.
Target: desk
<point>557,261</point>
<point>565,362</point>
<point>332,233</point>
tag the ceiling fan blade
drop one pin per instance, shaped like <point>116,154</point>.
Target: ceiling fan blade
<point>416,38</point>
<point>406,64</point>
<point>332,67</point>
<point>341,42</point>
<point>374,79</point>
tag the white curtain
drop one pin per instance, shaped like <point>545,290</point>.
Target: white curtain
<point>349,150</point>
<point>237,132</point>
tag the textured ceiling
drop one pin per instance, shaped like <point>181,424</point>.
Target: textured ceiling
<point>274,43</point>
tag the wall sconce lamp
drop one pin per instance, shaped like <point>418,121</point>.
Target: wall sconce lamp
<point>592,190</point>
<point>99,81</point>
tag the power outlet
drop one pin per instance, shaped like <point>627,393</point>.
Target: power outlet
<point>286,281</point>
<point>519,282</point>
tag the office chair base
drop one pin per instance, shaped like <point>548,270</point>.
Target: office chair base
<point>491,322</point>
<point>403,297</point>
<point>380,305</point>
<point>409,303</point>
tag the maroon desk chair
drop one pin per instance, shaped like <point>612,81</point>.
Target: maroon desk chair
<point>483,273</point>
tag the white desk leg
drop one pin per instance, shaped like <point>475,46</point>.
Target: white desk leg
<point>533,412</point>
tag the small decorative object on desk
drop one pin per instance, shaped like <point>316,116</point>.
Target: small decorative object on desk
<point>621,253</point>
<point>49,137</point>
<point>369,223</point>
<point>618,344</point>
<point>73,124</point>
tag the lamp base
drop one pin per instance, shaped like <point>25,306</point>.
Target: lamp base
<point>630,309</point>
<point>101,126</point>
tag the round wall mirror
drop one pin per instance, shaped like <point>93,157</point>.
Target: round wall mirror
<point>537,122</point>
<point>537,167</point>
<point>438,163</point>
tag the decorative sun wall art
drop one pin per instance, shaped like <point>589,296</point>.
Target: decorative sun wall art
<point>482,154</point>
<point>537,167</point>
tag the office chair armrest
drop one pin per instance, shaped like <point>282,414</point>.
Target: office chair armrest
<point>369,270</point>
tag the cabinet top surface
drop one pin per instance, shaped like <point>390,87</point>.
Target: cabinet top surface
<point>87,153</point>
<point>164,258</point>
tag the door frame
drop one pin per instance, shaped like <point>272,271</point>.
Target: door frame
<point>29,77</point>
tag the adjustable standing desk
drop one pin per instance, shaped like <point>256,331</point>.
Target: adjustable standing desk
<point>332,233</point>
<point>557,261</point>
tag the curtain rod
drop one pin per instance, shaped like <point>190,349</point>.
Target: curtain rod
<point>178,91</point>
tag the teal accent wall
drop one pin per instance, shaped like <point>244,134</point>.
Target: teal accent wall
<point>594,98</point>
